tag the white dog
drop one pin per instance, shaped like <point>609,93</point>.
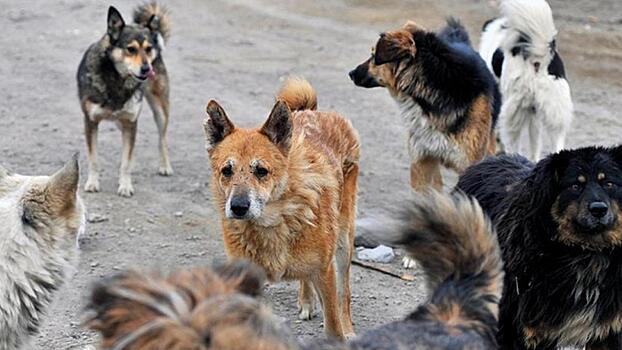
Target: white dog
<point>41,218</point>
<point>520,50</point>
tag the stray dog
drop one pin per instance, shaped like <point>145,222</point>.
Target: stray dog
<point>41,219</point>
<point>113,76</point>
<point>560,230</point>
<point>287,197</point>
<point>520,48</point>
<point>218,309</point>
<point>448,97</point>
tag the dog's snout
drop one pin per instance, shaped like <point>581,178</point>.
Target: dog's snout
<point>145,68</point>
<point>240,205</point>
<point>598,209</point>
<point>352,74</point>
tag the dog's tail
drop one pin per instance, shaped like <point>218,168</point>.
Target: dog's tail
<point>532,20</point>
<point>455,32</point>
<point>298,93</point>
<point>155,17</point>
<point>457,248</point>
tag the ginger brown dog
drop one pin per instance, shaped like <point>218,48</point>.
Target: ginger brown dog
<point>286,193</point>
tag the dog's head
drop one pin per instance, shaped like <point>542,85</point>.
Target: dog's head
<point>133,48</point>
<point>249,166</point>
<point>392,50</point>
<point>583,189</point>
<point>202,309</point>
<point>42,213</point>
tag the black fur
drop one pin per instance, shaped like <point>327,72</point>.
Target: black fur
<point>556,67</point>
<point>548,282</point>
<point>497,62</point>
<point>487,23</point>
<point>453,71</point>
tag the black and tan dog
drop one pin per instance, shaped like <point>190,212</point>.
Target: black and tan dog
<point>448,97</point>
<point>218,308</point>
<point>114,75</point>
<point>560,230</point>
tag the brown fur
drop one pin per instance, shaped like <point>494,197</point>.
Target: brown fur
<point>309,195</point>
<point>143,14</point>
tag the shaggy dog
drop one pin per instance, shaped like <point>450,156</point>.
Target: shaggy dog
<point>41,218</point>
<point>520,48</point>
<point>218,308</point>
<point>114,74</point>
<point>560,230</point>
<point>448,97</point>
<point>286,193</point>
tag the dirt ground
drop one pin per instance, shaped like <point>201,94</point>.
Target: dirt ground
<point>238,51</point>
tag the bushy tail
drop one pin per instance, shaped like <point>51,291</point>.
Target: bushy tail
<point>298,94</point>
<point>155,16</point>
<point>532,19</point>
<point>455,32</point>
<point>458,250</point>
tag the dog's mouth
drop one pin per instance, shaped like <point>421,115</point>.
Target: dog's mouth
<point>143,77</point>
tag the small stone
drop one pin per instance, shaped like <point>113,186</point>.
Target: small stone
<point>380,254</point>
<point>96,218</point>
<point>94,264</point>
<point>179,214</point>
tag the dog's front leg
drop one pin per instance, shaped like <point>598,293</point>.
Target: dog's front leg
<point>326,286</point>
<point>535,140</point>
<point>157,97</point>
<point>90,131</point>
<point>128,130</point>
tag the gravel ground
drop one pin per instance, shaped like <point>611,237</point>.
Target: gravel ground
<point>238,51</point>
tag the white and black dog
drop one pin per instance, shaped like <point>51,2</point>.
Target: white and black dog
<point>520,49</point>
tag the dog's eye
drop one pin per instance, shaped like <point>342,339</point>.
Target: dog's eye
<point>576,187</point>
<point>227,171</point>
<point>148,49</point>
<point>132,50</point>
<point>261,172</point>
<point>609,185</point>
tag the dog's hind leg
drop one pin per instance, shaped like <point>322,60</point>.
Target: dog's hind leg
<point>157,97</point>
<point>305,300</point>
<point>128,131</point>
<point>345,246</point>
<point>325,285</point>
<point>535,140</point>
<point>425,174</point>
<point>511,124</point>
<point>90,131</point>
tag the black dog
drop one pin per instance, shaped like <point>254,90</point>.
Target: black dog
<point>560,233</point>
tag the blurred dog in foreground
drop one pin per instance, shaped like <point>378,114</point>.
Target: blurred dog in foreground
<point>286,193</point>
<point>41,218</point>
<point>218,308</point>
<point>114,75</point>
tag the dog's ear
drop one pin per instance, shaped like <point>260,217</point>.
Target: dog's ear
<point>412,27</point>
<point>217,126</point>
<point>154,23</point>
<point>115,23</point>
<point>394,46</point>
<point>616,152</point>
<point>244,276</point>
<point>63,185</point>
<point>278,127</point>
<point>544,181</point>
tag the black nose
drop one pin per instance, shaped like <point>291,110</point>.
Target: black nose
<point>598,209</point>
<point>145,69</point>
<point>240,205</point>
<point>352,73</point>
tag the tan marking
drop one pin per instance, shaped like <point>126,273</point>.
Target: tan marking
<point>581,179</point>
<point>601,176</point>
<point>474,139</point>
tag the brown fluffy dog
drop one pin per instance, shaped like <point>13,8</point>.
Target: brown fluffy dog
<point>287,194</point>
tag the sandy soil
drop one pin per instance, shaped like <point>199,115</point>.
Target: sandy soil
<point>238,51</point>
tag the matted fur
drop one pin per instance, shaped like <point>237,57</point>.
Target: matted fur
<point>447,96</point>
<point>286,193</point>
<point>206,309</point>
<point>563,259</point>
<point>41,218</point>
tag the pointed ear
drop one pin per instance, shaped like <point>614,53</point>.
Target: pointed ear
<point>412,27</point>
<point>245,276</point>
<point>115,23</point>
<point>278,127</point>
<point>63,185</point>
<point>394,46</point>
<point>217,125</point>
<point>153,23</point>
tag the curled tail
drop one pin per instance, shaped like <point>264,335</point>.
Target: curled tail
<point>298,94</point>
<point>154,16</point>
<point>455,32</point>
<point>458,250</point>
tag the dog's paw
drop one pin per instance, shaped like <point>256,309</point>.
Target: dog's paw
<point>305,312</point>
<point>165,170</point>
<point>125,190</point>
<point>91,185</point>
<point>409,263</point>
<point>349,336</point>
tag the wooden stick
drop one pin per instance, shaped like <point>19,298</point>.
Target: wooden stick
<point>405,277</point>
